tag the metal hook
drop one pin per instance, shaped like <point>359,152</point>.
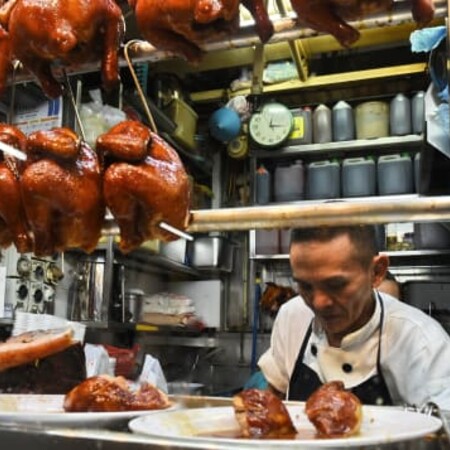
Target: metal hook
<point>74,105</point>
<point>138,85</point>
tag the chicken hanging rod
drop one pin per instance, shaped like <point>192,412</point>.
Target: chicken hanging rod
<point>317,213</point>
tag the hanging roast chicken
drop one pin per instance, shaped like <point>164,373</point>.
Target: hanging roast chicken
<point>182,26</point>
<point>13,227</point>
<point>62,192</point>
<point>67,32</point>
<point>144,184</point>
<point>330,16</point>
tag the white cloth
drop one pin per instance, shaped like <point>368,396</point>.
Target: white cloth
<point>415,352</point>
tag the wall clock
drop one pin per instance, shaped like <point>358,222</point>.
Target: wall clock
<point>271,126</point>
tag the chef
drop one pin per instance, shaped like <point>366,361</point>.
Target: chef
<point>341,327</point>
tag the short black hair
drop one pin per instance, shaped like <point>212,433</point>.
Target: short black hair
<point>363,238</point>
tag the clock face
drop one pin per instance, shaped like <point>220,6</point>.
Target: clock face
<point>271,126</point>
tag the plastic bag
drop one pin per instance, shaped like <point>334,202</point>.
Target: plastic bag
<point>98,118</point>
<point>152,373</point>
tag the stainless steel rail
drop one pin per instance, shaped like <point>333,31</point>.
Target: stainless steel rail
<point>317,213</point>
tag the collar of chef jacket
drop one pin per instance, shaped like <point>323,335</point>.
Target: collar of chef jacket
<point>358,351</point>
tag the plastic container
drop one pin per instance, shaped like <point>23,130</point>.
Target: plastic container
<point>400,115</point>
<point>285,241</point>
<point>418,113</point>
<point>301,127</point>
<point>432,235</point>
<point>267,242</point>
<point>323,180</point>
<point>133,304</point>
<point>395,174</point>
<point>289,182</point>
<point>263,186</point>
<point>186,119</point>
<point>322,125</point>
<point>224,124</point>
<point>358,177</point>
<point>417,172</point>
<point>343,122</point>
<point>372,120</point>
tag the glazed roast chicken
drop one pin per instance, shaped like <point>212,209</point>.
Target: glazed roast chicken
<point>104,393</point>
<point>144,183</point>
<point>62,192</point>
<point>261,414</point>
<point>67,32</point>
<point>274,296</point>
<point>334,411</point>
<point>330,16</point>
<point>181,26</point>
<point>13,226</point>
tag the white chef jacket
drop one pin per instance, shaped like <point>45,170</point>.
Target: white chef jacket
<point>415,352</point>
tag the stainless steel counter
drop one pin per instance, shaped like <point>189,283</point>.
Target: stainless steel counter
<point>36,438</point>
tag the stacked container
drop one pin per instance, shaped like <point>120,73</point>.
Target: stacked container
<point>323,180</point>
<point>395,174</point>
<point>358,177</point>
<point>343,122</point>
<point>289,182</point>
<point>400,115</point>
<point>372,120</point>
<point>301,127</point>
<point>263,186</point>
<point>322,125</point>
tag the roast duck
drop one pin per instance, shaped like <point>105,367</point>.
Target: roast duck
<point>334,412</point>
<point>42,34</point>
<point>56,200</point>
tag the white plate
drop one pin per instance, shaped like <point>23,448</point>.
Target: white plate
<point>380,425</point>
<point>47,410</point>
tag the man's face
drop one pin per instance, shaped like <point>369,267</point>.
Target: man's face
<point>334,284</point>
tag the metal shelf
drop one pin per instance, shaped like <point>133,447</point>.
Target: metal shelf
<point>387,143</point>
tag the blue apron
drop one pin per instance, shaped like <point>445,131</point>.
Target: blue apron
<point>304,381</point>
